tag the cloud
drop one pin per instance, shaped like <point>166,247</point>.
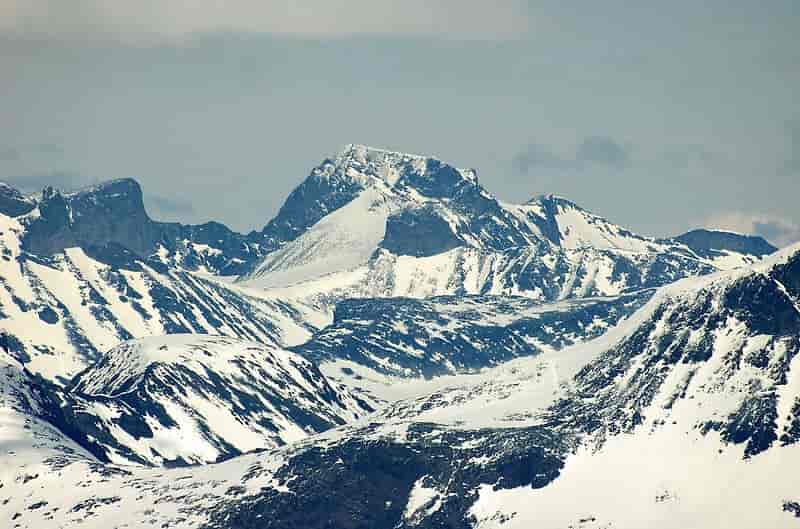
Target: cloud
<point>688,156</point>
<point>36,152</point>
<point>538,156</point>
<point>779,231</point>
<point>591,151</point>
<point>9,154</point>
<point>157,20</point>
<point>160,206</point>
<point>601,150</point>
<point>792,164</point>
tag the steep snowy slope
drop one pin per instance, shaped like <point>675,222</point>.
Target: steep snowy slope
<point>385,224</point>
<point>327,246</point>
<point>57,314</point>
<point>186,399</point>
<point>685,413</point>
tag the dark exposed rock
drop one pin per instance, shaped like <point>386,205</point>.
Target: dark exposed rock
<point>436,336</point>
<point>365,483</point>
<point>13,203</point>
<point>110,223</point>
<point>48,315</point>
<point>319,195</point>
<point>705,242</point>
<point>792,507</point>
<point>419,232</point>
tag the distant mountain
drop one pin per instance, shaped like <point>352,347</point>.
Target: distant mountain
<point>374,223</point>
<point>718,243</point>
<point>110,223</point>
<point>84,271</point>
<point>13,203</point>
<point>188,399</point>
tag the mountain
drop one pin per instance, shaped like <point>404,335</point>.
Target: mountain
<point>110,223</point>
<point>61,312</point>
<point>528,364</point>
<point>13,203</point>
<point>721,244</point>
<point>386,224</point>
<point>188,399</point>
<point>686,412</point>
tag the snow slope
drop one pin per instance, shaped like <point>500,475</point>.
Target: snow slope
<point>188,399</point>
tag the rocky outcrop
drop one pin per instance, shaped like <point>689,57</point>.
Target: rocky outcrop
<point>705,241</point>
<point>13,203</point>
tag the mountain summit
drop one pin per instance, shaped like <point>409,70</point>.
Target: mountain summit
<point>372,222</point>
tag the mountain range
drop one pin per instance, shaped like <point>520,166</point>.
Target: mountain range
<point>395,348</point>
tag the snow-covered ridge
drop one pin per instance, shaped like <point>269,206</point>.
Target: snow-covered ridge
<point>187,399</point>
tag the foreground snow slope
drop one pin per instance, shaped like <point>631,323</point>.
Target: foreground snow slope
<point>687,412</point>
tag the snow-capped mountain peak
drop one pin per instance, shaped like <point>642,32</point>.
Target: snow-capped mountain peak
<point>367,166</point>
<point>436,230</point>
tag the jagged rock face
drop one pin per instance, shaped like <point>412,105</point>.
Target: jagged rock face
<point>110,223</point>
<point>718,357</point>
<point>336,182</point>
<point>13,203</point>
<point>219,396</point>
<point>419,232</point>
<point>428,480</point>
<point>109,213</point>
<point>708,242</point>
<point>448,335</point>
<point>324,191</point>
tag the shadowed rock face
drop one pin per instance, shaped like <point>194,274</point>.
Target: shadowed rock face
<point>419,232</point>
<point>315,198</point>
<point>111,223</point>
<point>13,203</point>
<point>365,483</point>
<point>110,213</point>
<point>705,241</point>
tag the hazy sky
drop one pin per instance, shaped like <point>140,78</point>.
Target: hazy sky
<point>659,117</point>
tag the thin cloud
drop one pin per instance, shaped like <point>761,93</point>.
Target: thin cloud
<point>602,150</point>
<point>688,156</point>
<point>161,206</point>
<point>591,151</point>
<point>154,21</point>
<point>792,164</point>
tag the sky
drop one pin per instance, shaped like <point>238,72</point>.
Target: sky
<point>660,116</point>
